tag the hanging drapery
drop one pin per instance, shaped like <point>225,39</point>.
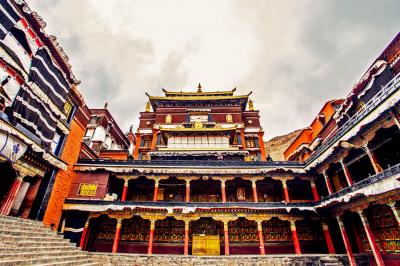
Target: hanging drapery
<point>8,18</point>
<point>35,116</point>
<point>49,78</point>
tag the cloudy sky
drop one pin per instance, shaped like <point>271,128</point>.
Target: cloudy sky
<point>293,55</point>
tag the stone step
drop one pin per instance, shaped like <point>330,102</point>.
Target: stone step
<point>17,250</point>
<point>73,263</point>
<point>22,222</point>
<point>7,225</point>
<point>40,254</point>
<point>51,238</point>
<point>17,232</point>
<point>49,260</point>
<point>42,243</point>
<point>18,219</point>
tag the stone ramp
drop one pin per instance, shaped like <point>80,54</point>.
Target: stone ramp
<point>233,260</point>
<point>27,242</point>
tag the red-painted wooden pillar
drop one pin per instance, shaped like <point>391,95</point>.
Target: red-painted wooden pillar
<point>392,206</point>
<point>226,238</point>
<point>187,194</point>
<point>243,139</point>
<point>254,187</point>
<point>346,242</point>
<point>374,161</point>
<point>155,194</point>
<point>117,236</point>
<point>261,145</point>
<point>346,173</point>
<point>314,190</point>
<point>84,234</point>
<point>186,240</point>
<point>371,239</point>
<point>125,190</point>
<point>285,191</point>
<point>11,195</point>
<point>137,146</point>
<point>154,140</point>
<point>223,192</point>
<point>261,238</point>
<point>151,237</point>
<point>328,183</point>
<point>295,237</point>
<point>328,238</point>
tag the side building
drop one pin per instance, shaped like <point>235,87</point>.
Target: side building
<point>37,104</point>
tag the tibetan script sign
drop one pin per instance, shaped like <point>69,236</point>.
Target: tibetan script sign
<point>205,245</point>
<point>87,190</point>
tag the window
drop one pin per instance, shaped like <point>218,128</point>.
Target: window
<point>250,143</point>
<point>147,143</point>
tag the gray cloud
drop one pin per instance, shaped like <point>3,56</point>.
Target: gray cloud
<point>293,55</point>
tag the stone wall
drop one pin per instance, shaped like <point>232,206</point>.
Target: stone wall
<point>243,260</point>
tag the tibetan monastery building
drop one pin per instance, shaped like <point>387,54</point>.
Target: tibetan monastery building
<point>199,182</point>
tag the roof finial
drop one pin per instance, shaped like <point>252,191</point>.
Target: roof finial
<point>105,105</point>
<point>251,105</point>
<point>199,88</point>
<point>148,106</point>
<point>131,129</point>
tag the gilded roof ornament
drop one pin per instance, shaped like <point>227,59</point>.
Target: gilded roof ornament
<point>251,105</point>
<point>199,88</point>
<point>148,106</point>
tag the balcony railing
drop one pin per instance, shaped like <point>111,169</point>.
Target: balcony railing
<point>387,173</point>
<point>391,87</point>
<point>196,163</point>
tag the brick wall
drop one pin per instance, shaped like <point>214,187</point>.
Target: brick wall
<point>64,179</point>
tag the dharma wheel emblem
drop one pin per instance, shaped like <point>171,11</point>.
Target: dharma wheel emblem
<point>198,124</point>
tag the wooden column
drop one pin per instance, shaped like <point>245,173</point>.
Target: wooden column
<point>243,139</point>
<point>155,193</point>
<point>371,239</point>
<point>223,191</point>
<point>328,238</point>
<point>372,158</point>
<point>151,237</point>
<point>84,234</point>
<point>187,192</point>
<point>254,187</point>
<point>154,139</point>
<point>392,206</point>
<point>346,173</point>
<point>125,190</point>
<point>295,237</point>
<point>117,236</point>
<point>328,183</point>
<point>262,147</point>
<point>396,119</point>
<point>226,237</point>
<point>11,195</point>
<point>137,146</point>
<point>186,239</point>
<point>260,238</point>
<point>285,190</point>
<point>314,190</point>
<point>346,242</point>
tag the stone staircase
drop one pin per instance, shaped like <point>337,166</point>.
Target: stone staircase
<point>27,242</point>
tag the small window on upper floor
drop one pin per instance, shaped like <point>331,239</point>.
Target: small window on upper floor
<point>147,143</point>
<point>250,143</point>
